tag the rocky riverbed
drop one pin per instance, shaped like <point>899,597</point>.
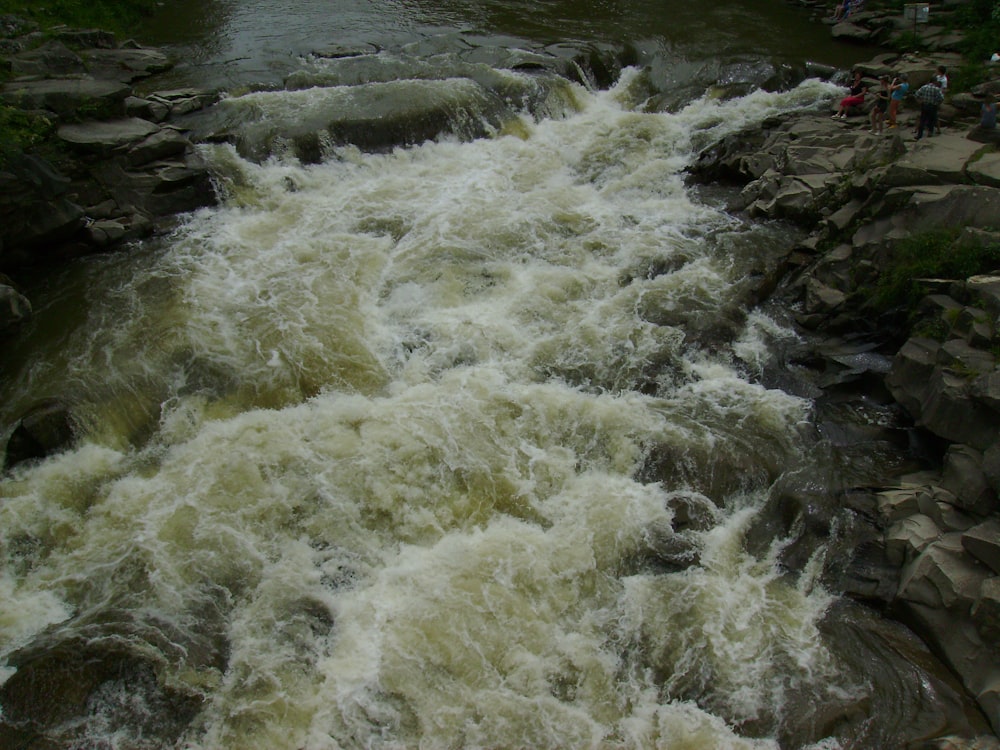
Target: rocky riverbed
<point>117,166</point>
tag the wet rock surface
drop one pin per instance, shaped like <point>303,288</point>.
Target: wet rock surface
<point>110,155</point>
<point>928,547</point>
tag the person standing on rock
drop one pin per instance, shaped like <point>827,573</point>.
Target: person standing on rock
<point>854,99</point>
<point>881,105</point>
<point>942,78</point>
<point>930,97</point>
<point>897,92</point>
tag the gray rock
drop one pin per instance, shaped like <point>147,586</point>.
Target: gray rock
<point>162,144</point>
<point>127,65</point>
<point>983,543</point>
<point>968,361</point>
<point>898,504</point>
<point>65,96</point>
<point>949,410</point>
<point>104,136</point>
<point>147,109</point>
<point>985,170</point>
<point>963,476</point>
<point>88,38</point>
<point>986,610</point>
<point>46,429</point>
<point>14,307</point>
<point>51,60</point>
<point>942,577</point>
<point>986,290</point>
<point>910,536</point>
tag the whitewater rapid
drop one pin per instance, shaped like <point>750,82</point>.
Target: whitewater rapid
<point>364,451</point>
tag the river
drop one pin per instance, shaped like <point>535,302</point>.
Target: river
<point>455,444</point>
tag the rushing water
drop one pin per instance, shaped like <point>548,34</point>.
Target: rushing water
<point>447,446</point>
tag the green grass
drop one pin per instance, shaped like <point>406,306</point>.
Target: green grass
<point>110,15</point>
<point>938,254</point>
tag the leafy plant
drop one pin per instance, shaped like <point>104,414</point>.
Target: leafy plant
<point>939,253</point>
<point>20,130</point>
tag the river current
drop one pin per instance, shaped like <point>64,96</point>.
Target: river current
<point>449,445</point>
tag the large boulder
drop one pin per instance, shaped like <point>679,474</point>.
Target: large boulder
<point>66,97</point>
<point>101,137</point>
<point>47,428</point>
<point>14,307</point>
<point>34,211</point>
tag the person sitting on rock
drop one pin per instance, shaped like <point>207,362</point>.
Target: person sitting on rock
<point>842,10</point>
<point>853,7</point>
<point>855,99</point>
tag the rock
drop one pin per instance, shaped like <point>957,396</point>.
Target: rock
<point>105,232</point>
<point>940,505</point>
<point>950,411</point>
<point>51,60</point>
<point>66,96</point>
<point>162,188</point>
<point>944,157</point>
<point>58,693</point>
<point>147,109</point>
<point>957,640</point>
<point>104,136</point>
<point>986,291</point>
<point>88,38</point>
<point>162,144</point>
<point>983,543</point>
<point>985,170</point>
<point>963,476</point>
<point>991,466</point>
<point>33,210</point>
<point>942,577</point>
<point>14,308</point>
<point>851,32</point>
<point>986,610</point>
<point>126,65</point>
<point>896,505</point>
<point>912,368</point>
<point>908,537</point>
<point>46,429</point>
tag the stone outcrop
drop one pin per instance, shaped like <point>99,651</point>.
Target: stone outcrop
<point>935,555</point>
<point>112,166</point>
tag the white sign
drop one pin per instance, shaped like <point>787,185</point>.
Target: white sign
<point>917,12</point>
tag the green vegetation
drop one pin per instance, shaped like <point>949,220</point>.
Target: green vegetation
<point>938,254</point>
<point>20,130</point>
<point>111,15</point>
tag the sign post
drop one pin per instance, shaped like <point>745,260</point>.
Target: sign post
<point>918,13</point>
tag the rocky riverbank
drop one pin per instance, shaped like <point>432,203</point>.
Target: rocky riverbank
<point>934,555</point>
<point>117,165</point>
<point>108,166</point>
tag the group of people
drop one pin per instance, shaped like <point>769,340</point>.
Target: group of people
<point>845,8</point>
<point>889,98</point>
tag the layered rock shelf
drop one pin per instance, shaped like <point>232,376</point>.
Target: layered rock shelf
<point>111,167</point>
<point>935,562</point>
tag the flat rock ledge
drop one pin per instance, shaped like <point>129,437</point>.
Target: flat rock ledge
<point>936,556</point>
<point>112,167</point>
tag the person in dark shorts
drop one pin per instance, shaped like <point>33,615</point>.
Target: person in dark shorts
<point>881,105</point>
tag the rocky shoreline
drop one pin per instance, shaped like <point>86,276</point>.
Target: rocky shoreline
<point>931,553</point>
<point>933,556</point>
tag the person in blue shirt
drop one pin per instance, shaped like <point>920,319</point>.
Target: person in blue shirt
<point>897,92</point>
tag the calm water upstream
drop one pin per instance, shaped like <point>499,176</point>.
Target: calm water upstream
<point>450,445</point>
